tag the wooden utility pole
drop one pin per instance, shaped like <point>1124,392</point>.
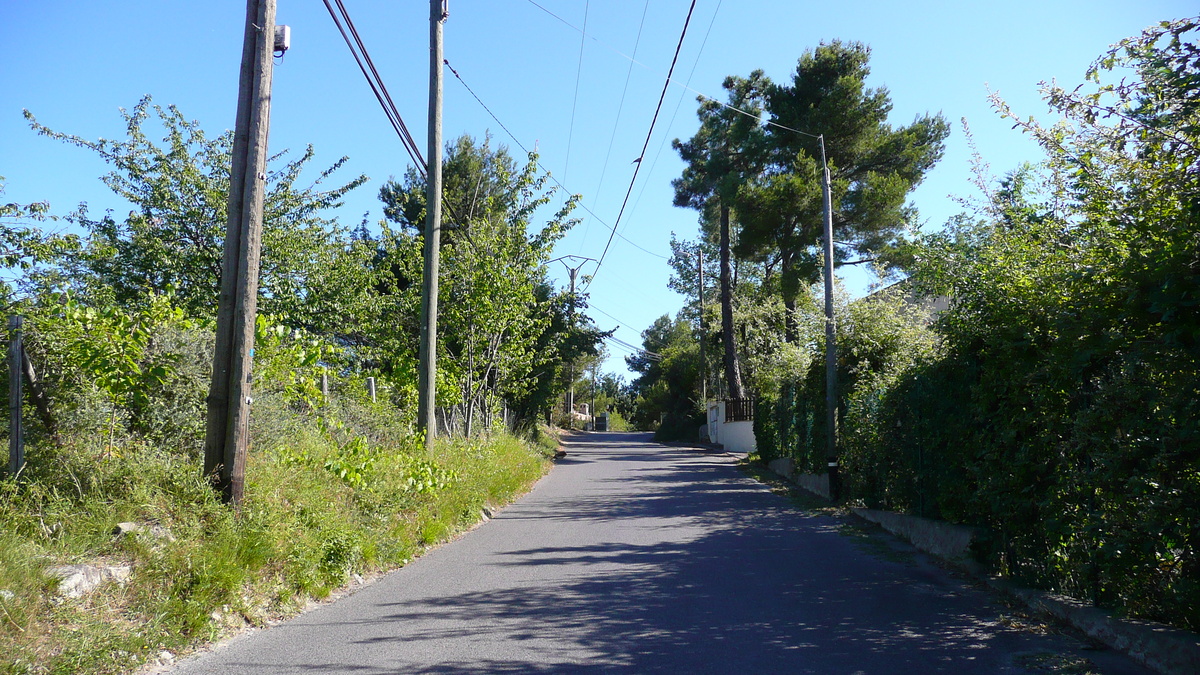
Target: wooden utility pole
<point>226,436</point>
<point>831,416</point>
<point>427,377</point>
<point>16,435</point>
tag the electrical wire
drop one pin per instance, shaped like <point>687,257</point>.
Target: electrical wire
<point>637,350</point>
<point>649,354</point>
<point>679,103</point>
<point>642,155</point>
<point>376,82</point>
<point>620,108</point>
<point>575,99</point>
<point>694,91</point>
<point>381,94</point>
<point>557,182</point>
<point>620,323</point>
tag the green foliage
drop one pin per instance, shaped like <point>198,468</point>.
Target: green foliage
<point>776,189</point>
<point>879,339</point>
<point>360,465</point>
<point>1059,410</point>
<point>300,533</point>
<point>119,329</point>
<point>1075,315</point>
<point>173,240</point>
<point>505,332</point>
<point>667,388</point>
<point>109,346</point>
<point>24,246</point>
<point>291,361</point>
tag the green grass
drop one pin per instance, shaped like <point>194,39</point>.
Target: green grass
<point>318,507</point>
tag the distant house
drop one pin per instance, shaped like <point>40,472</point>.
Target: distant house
<point>935,304</point>
<point>730,425</point>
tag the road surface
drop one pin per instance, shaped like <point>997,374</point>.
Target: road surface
<point>632,557</point>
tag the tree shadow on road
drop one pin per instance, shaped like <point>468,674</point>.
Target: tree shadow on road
<point>740,582</point>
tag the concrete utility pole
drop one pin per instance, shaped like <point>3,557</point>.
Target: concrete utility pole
<point>703,361</point>
<point>831,416</point>
<point>427,378</point>
<point>226,436</point>
<point>572,272</point>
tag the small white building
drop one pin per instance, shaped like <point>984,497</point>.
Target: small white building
<point>731,424</point>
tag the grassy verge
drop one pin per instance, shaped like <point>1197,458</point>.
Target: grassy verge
<point>325,499</point>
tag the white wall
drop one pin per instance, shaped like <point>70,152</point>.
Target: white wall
<point>733,436</point>
<point>738,436</point>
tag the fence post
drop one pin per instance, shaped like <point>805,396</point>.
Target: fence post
<point>16,436</point>
<point>371,388</point>
<point>325,386</point>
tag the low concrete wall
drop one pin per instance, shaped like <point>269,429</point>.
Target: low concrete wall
<point>817,484</point>
<point>1162,648</point>
<point>952,542</point>
<point>1167,650</point>
<point>783,466</point>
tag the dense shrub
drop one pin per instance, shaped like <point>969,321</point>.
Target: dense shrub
<point>1061,408</point>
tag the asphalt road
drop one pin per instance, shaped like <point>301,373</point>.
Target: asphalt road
<point>638,558</point>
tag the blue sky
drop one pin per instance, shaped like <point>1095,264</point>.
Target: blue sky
<point>74,64</point>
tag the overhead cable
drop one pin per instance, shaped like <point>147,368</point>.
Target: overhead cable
<point>575,100</point>
<point>685,86</point>
<point>663,144</point>
<point>620,324</point>
<point>646,144</point>
<point>649,354</point>
<point>620,108</point>
<point>546,171</point>
<point>361,55</point>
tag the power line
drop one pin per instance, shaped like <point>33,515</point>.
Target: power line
<point>694,91</point>
<point>539,164</point>
<point>381,94</point>
<point>376,82</point>
<point>620,108</point>
<point>575,99</point>
<point>620,323</point>
<point>649,354</point>
<point>679,103</point>
<point>642,155</point>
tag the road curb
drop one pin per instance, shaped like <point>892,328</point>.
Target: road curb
<point>1167,650</point>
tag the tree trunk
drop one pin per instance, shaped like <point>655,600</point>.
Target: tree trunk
<point>789,289</point>
<point>40,400</point>
<point>733,373</point>
<point>470,389</point>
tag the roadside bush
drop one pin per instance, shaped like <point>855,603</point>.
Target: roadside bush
<point>341,497</point>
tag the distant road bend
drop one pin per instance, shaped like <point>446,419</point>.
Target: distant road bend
<point>633,557</point>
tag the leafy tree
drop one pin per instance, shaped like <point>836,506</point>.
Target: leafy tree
<point>504,331</point>
<point>725,151</point>
<point>24,246</point>
<point>1072,349</point>
<point>172,240</point>
<point>873,168</point>
<point>667,384</point>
